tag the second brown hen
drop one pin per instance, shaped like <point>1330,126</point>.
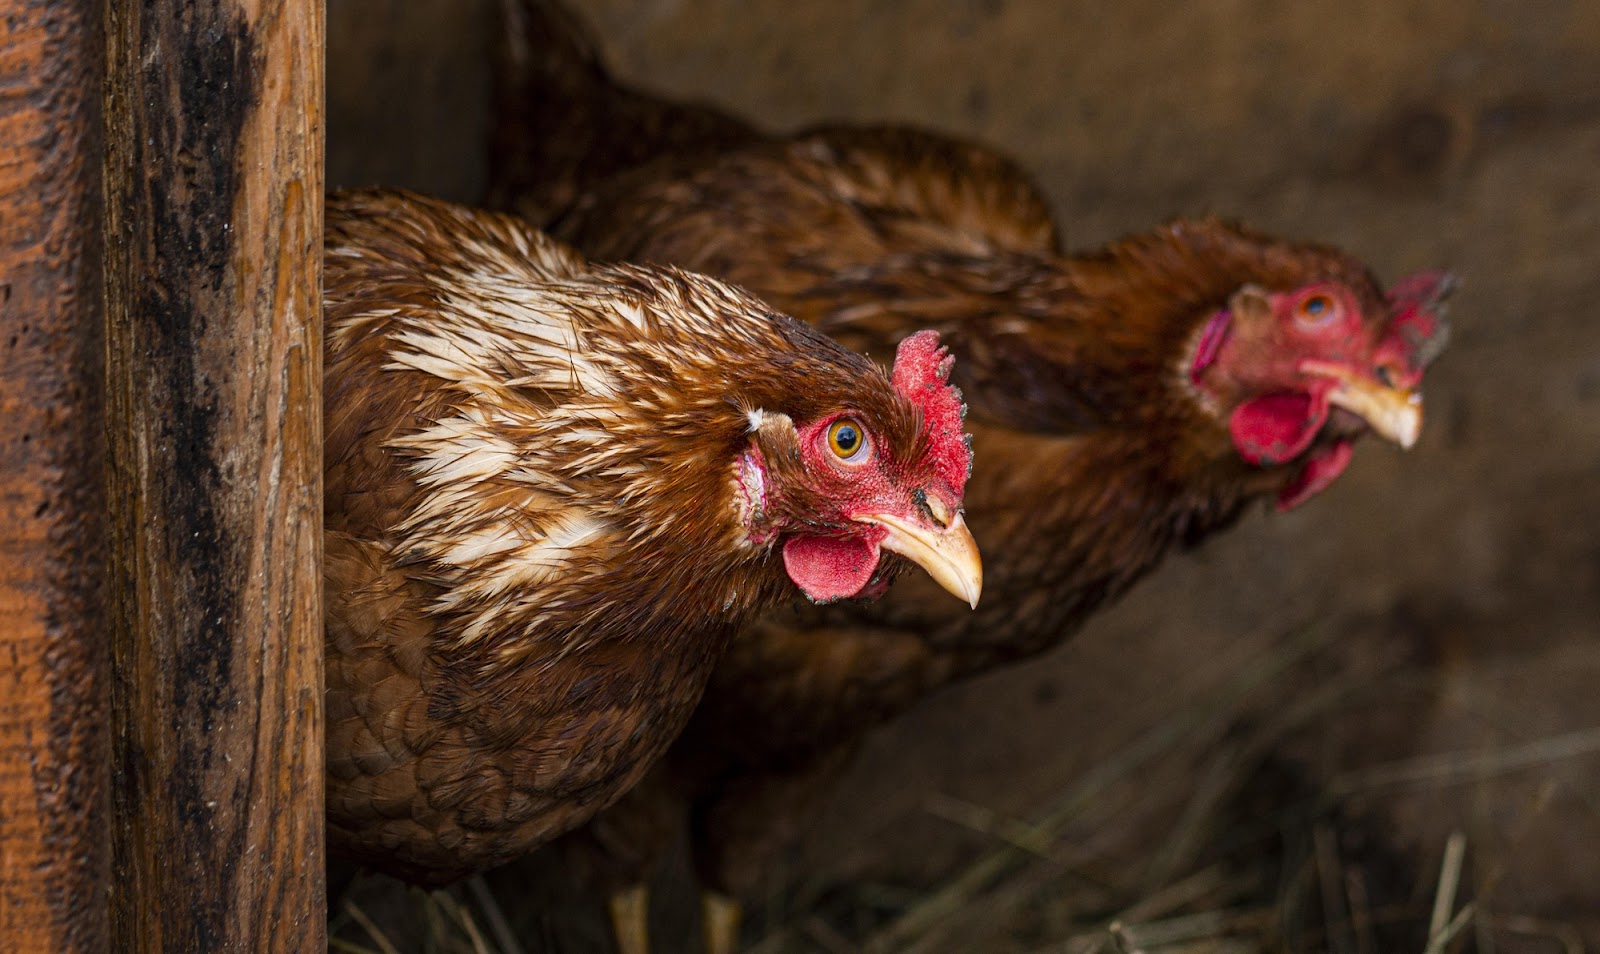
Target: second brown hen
<point>1124,401</point>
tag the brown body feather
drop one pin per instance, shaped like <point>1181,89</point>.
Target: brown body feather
<point>1096,453</point>
<point>536,541</point>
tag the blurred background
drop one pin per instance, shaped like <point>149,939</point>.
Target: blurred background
<point>1314,699</point>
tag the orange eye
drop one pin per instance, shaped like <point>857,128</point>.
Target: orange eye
<point>847,440</point>
<point>1318,308</point>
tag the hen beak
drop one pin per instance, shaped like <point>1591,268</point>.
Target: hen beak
<point>1394,413</point>
<point>948,553</point>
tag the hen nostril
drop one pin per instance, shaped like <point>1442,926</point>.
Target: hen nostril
<point>934,508</point>
<point>1385,374</point>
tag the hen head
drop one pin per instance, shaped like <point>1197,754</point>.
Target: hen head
<point>840,484</point>
<point>1300,368</point>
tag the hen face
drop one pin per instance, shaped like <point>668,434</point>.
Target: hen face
<point>1300,373</point>
<point>844,485</point>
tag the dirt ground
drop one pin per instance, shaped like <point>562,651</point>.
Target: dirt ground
<point>1461,579</point>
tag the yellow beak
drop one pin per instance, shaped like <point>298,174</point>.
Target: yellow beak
<point>1391,412</point>
<point>949,553</point>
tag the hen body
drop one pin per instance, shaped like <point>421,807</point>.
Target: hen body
<point>1105,432</point>
<point>553,490</point>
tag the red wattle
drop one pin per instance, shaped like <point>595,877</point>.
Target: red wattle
<point>829,568</point>
<point>1273,428</point>
<point>1320,470</point>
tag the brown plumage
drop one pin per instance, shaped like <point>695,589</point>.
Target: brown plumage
<point>553,489</point>
<point>1124,401</point>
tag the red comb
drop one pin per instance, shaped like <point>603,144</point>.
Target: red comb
<point>1418,332</point>
<point>922,374</point>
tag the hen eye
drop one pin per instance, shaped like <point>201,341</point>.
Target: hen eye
<point>1317,308</point>
<point>846,439</point>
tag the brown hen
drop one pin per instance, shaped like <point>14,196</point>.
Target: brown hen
<point>1124,401</point>
<point>554,489</point>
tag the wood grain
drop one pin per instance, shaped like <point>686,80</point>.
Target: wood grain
<point>214,225</point>
<point>54,750</point>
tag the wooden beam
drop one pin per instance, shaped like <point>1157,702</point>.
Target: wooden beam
<point>54,748</point>
<point>214,237</point>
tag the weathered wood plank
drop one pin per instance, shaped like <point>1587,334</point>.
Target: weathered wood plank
<point>54,749</point>
<point>214,221</point>
<point>53,746</point>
